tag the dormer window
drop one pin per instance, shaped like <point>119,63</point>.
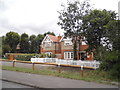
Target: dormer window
<point>67,42</point>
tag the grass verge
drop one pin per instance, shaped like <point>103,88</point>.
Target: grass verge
<point>91,75</point>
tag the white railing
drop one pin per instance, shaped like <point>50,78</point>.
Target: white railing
<point>95,64</point>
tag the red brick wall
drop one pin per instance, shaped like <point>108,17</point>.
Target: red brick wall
<point>59,51</point>
<point>83,47</point>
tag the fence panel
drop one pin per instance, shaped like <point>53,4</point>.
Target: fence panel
<point>94,63</point>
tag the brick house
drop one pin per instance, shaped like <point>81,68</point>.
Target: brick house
<point>63,48</point>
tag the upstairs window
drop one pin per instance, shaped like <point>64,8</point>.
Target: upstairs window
<point>47,44</point>
<point>66,43</point>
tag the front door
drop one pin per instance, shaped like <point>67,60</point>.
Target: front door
<point>82,56</point>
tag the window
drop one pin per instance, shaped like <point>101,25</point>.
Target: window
<point>47,44</point>
<point>67,42</point>
<point>72,55</point>
<point>68,55</point>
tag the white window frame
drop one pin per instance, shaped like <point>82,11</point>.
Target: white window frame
<point>47,44</point>
<point>68,55</point>
<point>67,42</point>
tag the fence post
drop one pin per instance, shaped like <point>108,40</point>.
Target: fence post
<point>13,63</point>
<point>33,66</point>
<point>59,70</point>
<point>81,72</point>
<point>95,64</point>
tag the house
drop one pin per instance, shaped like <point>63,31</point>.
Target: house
<point>63,48</point>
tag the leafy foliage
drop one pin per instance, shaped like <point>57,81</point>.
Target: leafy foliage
<point>51,33</point>
<point>12,39</point>
<point>24,57</point>
<point>70,19</point>
<point>24,43</point>
<point>95,27</point>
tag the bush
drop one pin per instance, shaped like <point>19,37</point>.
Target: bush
<point>42,55</point>
<point>111,64</point>
<point>115,72</point>
<point>26,57</point>
<point>110,59</point>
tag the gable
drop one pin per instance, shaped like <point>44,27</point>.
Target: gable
<point>46,39</point>
<point>65,39</point>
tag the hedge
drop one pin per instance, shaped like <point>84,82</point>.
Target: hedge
<point>25,57</point>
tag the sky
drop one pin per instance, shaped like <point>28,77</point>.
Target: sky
<point>39,16</point>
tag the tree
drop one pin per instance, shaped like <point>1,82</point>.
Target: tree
<point>70,19</point>
<point>24,43</point>
<point>95,27</point>
<point>33,42</point>
<point>39,39</point>
<point>51,33</point>
<point>5,47</point>
<point>101,26</point>
<point>12,39</point>
<point>113,33</point>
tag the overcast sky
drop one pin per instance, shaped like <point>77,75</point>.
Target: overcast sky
<point>38,16</point>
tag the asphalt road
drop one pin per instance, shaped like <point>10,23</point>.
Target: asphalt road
<point>6,84</point>
<point>43,81</point>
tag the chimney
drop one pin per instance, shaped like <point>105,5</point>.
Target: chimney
<point>59,37</point>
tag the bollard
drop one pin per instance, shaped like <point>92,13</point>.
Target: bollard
<point>13,63</point>
<point>59,70</point>
<point>81,71</point>
<point>33,66</point>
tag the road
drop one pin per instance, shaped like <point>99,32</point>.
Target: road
<point>44,81</point>
<point>6,84</point>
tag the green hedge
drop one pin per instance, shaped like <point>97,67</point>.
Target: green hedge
<point>25,57</point>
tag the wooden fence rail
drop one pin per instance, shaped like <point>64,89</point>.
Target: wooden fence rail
<point>78,64</point>
<point>93,64</point>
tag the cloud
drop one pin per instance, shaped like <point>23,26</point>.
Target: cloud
<point>34,16</point>
<point>29,16</point>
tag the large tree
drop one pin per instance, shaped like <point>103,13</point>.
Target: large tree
<point>33,46</point>
<point>24,43</point>
<point>70,19</point>
<point>39,39</point>
<point>95,27</point>
<point>102,26</point>
<point>12,39</point>
<point>113,33</point>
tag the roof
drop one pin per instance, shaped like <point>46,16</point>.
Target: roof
<point>53,38</point>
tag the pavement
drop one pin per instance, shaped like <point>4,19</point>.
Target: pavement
<point>44,81</point>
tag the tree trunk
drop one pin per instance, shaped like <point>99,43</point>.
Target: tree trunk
<point>75,49</point>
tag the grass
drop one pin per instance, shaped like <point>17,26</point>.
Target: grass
<point>89,75</point>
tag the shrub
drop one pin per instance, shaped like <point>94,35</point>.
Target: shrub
<point>111,64</point>
<point>26,57</point>
<point>115,72</point>
<point>53,56</point>
<point>42,55</point>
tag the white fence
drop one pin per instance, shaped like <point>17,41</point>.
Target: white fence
<point>95,64</point>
